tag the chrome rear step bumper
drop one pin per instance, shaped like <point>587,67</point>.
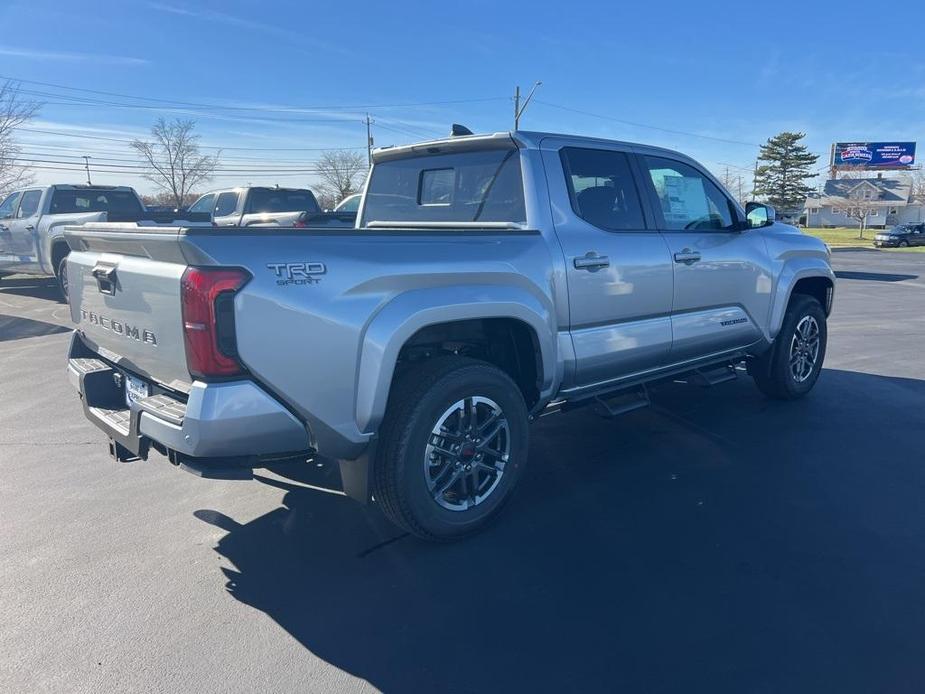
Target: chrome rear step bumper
<point>221,429</point>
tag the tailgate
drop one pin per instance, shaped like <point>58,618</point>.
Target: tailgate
<point>124,287</point>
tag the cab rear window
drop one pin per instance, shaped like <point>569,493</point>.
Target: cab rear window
<point>477,186</point>
<point>118,202</point>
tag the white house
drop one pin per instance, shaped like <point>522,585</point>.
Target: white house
<point>885,202</point>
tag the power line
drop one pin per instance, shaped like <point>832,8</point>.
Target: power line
<point>115,139</point>
<point>284,109</point>
<point>645,125</point>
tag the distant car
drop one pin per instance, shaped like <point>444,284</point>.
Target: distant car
<point>350,204</point>
<point>901,236</point>
<point>256,205</point>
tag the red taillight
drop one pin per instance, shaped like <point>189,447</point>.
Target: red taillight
<point>208,319</point>
<point>299,223</point>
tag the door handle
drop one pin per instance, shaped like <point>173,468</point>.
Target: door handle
<point>687,256</point>
<point>30,227</point>
<point>591,261</point>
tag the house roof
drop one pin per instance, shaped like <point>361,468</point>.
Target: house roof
<point>886,191</point>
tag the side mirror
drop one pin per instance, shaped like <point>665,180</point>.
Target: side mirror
<point>758,215</point>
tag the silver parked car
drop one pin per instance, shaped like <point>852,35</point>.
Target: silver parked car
<point>489,280</point>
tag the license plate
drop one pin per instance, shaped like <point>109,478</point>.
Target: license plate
<point>135,390</point>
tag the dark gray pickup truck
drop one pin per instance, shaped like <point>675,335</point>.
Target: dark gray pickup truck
<point>490,279</point>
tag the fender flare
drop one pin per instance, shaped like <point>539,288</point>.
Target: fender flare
<point>394,324</point>
<point>794,270</point>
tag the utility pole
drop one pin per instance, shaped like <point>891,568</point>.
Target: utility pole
<point>369,143</point>
<point>755,181</point>
<point>516,106</point>
<point>87,166</point>
<point>518,109</point>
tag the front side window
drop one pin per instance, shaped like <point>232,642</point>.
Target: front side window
<point>476,186</point>
<point>30,204</point>
<point>602,189</point>
<point>226,204</point>
<point>9,204</point>
<point>689,201</point>
<point>203,204</point>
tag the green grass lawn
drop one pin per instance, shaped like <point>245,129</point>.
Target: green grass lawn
<point>843,238</point>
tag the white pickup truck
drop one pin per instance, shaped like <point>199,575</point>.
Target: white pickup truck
<point>32,224</point>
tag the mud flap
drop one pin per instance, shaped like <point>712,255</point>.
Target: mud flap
<point>355,474</point>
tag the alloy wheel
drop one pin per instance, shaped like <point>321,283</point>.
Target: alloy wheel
<point>467,451</point>
<point>804,349</point>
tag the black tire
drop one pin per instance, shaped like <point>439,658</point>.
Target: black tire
<point>61,276</point>
<point>773,371</point>
<point>904,244</point>
<point>420,396</point>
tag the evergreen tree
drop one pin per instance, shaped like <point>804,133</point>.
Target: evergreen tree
<point>786,166</point>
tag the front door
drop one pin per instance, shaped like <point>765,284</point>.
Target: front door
<point>722,274</point>
<point>7,213</point>
<point>22,229</point>
<point>618,268</point>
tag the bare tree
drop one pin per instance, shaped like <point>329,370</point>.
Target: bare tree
<point>917,192</point>
<point>858,211</point>
<point>341,172</point>
<point>166,198</point>
<point>14,112</point>
<point>172,158</point>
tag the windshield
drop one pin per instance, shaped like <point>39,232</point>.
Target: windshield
<point>268,200</point>
<point>349,204</point>
<point>479,186</point>
<point>118,202</point>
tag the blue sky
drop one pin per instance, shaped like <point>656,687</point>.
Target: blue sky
<point>711,79</point>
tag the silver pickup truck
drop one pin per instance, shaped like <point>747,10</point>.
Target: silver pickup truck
<point>256,206</point>
<point>32,224</point>
<point>490,279</point>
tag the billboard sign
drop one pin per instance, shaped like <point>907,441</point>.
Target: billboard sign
<point>874,155</point>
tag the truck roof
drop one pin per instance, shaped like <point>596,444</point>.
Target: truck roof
<point>525,139</point>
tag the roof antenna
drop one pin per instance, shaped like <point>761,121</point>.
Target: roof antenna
<point>457,130</point>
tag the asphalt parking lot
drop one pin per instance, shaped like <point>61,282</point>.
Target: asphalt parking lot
<point>715,542</point>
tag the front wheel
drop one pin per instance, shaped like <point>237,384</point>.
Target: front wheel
<point>453,446</point>
<point>789,370</point>
<point>904,244</point>
<point>61,276</point>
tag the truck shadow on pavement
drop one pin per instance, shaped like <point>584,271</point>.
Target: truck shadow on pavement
<point>16,328</point>
<point>718,541</point>
<point>36,287</point>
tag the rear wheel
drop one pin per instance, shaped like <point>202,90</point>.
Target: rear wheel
<point>904,244</point>
<point>453,446</point>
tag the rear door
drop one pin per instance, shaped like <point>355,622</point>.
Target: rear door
<point>617,265</point>
<point>722,275</point>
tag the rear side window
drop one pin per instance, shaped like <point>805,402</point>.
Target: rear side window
<point>117,202</point>
<point>268,200</point>
<point>602,188</point>
<point>226,204</point>
<point>29,204</point>
<point>480,186</point>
